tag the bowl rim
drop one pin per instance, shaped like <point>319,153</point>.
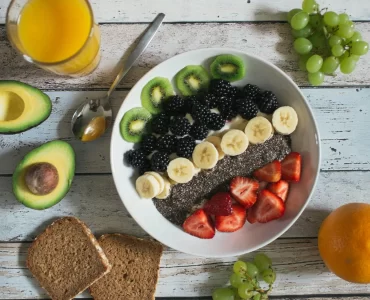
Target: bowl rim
<point>309,110</point>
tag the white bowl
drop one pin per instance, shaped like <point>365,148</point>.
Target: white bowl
<point>251,237</point>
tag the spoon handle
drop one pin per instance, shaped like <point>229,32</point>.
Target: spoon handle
<point>139,49</point>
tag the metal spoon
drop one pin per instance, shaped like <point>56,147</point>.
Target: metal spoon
<point>94,116</point>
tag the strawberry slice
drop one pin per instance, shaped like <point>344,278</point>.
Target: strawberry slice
<point>219,205</point>
<point>233,222</point>
<point>267,208</point>
<point>280,189</point>
<point>291,167</point>
<point>270,173</point>
<point>244,190</point>
<point>199,224</point>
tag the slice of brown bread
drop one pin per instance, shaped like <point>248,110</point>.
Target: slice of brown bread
<point>66,259</point>
<point>135,268</point>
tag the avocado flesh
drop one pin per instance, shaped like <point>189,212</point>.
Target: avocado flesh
<point>58,153</point>
<point>21,107</point>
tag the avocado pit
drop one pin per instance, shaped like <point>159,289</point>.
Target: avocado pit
<point>41,178</point>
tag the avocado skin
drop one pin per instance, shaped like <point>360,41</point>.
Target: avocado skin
<point>22,166</point>
<point>45,97</point>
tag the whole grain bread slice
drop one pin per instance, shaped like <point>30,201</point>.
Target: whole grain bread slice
<point>135,268</point>
<point>66,259</point>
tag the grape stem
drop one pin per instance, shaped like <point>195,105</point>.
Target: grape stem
<point>257,288</point>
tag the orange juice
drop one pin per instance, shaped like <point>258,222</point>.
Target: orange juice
<point>61,35</point>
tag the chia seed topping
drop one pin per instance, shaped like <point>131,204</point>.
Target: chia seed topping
<point>186,197</point>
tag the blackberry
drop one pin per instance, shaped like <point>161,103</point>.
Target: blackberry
<point>220,87</point>
<point>251,92</point>
<point>180,126</point>
<point>174,106</point>
<point>215,122</point>
<point>225,103</point>
<point>234,92</point>
<point>167,143</point>
<point>160,123</point>
<point>135,158</point>
<point>200,113</point>
<point>148,144</point>
<point>210,100</point>
<point>159,161</point>
<point>229,113</point>
<point>146,167</point>
<point>189,102</point>
<point>199,131</point>
<point>185,147</point>
<point>267,102</point>
<point>246,108</point>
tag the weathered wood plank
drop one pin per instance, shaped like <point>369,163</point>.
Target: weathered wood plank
<point>94,199</point>
<point>200,11</point>
<point>272,41</point>
<point>299,268</point>
<point>342,116</point>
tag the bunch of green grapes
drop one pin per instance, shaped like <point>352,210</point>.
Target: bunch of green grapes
<point>245,280</point>
<point>325,41</point>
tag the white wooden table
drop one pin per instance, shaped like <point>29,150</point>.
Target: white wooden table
<point>341,106</point>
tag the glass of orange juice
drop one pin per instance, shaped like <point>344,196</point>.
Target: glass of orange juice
<point>57,35</point>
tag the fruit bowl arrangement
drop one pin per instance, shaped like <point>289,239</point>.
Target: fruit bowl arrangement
<point>215,140</point>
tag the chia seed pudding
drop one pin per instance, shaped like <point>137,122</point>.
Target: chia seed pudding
<point>186,197</point>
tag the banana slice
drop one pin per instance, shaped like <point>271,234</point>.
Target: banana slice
<point>258,130</point>
<point>166,190</point>
<point>205,155</point>
<point>216,141</point>
<point>180,170</point>
<point>234,142</point>
<point>159,178</point>
<point>285,120</point>
<point>196,169</point>
<point>147,186</point>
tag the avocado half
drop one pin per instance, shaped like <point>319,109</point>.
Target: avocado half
<point>22,107</point>
<point>58,153</point>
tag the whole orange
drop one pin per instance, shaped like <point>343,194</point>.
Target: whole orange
<point>344,242</point>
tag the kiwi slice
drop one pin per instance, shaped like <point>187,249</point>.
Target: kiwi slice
<point>134,124</point>
<point>192,79</point>
<point>154,93</point>
<point>228,67</point>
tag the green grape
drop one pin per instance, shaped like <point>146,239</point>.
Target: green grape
<point>360,48</point>
<point>304,32</point>
<point>355,57</point>
<point>309,6</point>
<point>329,65</point>
<point>345,31</point>
<point>351,24</point>
<point>245,291</point>
<point>316,78</point>
<point>331,18</point>
<point>223,294</point>
<point>337,50</point>
<point>240,267</point>
<point>299,20</point>
<point>262,262</point>
<point>236,280</point>
<point>269,276</point>
<point>318,39</point>
<point>315,20</point>
<point>252,270</point>
<point>343,56</point>
<point>356,37</point>
<point>314,63</point>
<point>347,65</point>
<point>292,13</point>
<point>264,297</point>
<point>343,18</point>
<point>302,62</point>
<point>302,46</point>
<point>335,40</point>
<point>257,296</point>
